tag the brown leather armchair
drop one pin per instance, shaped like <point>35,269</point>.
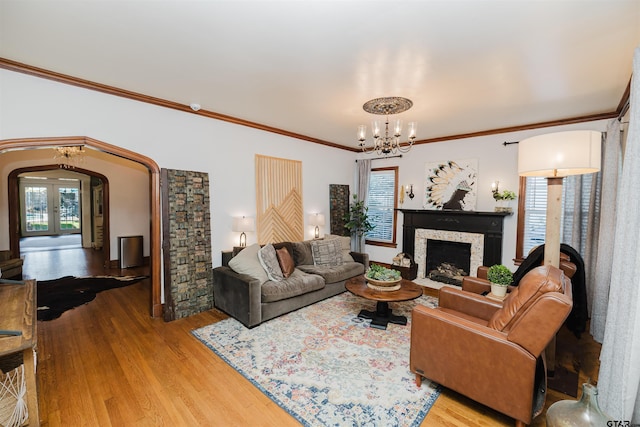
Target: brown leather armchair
<point>493,352</point>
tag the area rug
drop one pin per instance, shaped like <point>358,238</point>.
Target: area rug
<point>325,366</point>
<point>59,295</point>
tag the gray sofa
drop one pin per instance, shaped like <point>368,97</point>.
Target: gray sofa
<point>240,288</point>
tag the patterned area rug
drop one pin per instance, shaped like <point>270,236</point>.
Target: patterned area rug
<point>325,366</point>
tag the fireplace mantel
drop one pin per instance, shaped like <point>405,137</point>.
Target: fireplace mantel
<point>489,224</point>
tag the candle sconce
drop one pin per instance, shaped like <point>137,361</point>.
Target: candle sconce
<point>409,191</point>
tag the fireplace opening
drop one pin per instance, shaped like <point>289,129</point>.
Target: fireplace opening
<point>447,262</point>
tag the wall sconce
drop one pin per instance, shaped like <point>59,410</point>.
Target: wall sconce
<point>495,188</point>
<point>244,224</point>
<point>409,191</point>
<point>316,219</point>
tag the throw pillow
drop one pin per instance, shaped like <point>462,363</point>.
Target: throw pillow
<point>269,260</point>
<point>286,261</point>
<point>302,253</point>
<point>345,243</point>
<point>247,262</point>
<point>326,252</point>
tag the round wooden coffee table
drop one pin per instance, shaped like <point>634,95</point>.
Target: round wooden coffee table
<point>382,316</point>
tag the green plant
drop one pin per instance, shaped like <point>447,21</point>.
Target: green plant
<point>500,275</point>
<point>358,218</point>
<point>504,195</point>
<point>378,272</point>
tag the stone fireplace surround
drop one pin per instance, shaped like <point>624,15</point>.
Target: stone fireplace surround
<point>422,236</point>
<point>483,230</point>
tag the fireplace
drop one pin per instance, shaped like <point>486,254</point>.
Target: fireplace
<point>436,237</point>
<point>429,254</point>
<point>447,261</point>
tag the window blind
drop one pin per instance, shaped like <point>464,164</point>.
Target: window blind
<point>381,204</point>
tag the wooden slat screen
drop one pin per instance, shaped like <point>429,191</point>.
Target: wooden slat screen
<point>279,215</point>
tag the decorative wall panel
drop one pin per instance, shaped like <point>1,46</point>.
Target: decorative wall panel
<point>279,215</point>
<point>338,209</point>
<point>188,284</point>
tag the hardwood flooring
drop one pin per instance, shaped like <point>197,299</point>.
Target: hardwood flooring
<point>108,363</point>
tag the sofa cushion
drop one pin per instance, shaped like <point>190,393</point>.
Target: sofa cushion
<point>536,282</point>
<point>336,273</point>
<point>302,252</point>
<point>286,261</point>
<point>345,243</point>
<point>269,260</point>
<point>297,284</point>
<point>326,252</point>
<point>247,262</point>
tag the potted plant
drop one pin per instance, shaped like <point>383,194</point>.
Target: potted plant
<point>503,199</point>
<point>500,277</point>
<point>358,222</point>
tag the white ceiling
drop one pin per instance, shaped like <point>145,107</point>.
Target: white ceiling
<point>308,66</point>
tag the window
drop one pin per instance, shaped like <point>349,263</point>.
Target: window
<point>382,205</point>
<point>576,196</point>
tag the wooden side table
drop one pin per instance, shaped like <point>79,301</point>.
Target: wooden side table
<point>18,334</point>
<point>382,316</point>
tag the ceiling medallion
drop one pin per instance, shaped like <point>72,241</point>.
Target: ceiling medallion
<point>386,106</point>
<point>388,143</point>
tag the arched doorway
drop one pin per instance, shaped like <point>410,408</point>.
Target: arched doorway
<point>14,202</point>
<point>154,203</point>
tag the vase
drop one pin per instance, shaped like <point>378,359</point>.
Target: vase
<point>503,206</point>
<point>498,290</point>
<point>584,412</point>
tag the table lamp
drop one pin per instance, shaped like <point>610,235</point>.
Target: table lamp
<point>555,156</point>
<point>316,219</point>
<point>243,224</point>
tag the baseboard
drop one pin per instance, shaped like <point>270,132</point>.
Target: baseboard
<point>115,264</point>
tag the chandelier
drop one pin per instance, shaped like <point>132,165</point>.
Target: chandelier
<point>69,156</point>
<point>389,143</point>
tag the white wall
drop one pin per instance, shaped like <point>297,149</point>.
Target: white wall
<point>33,107</point>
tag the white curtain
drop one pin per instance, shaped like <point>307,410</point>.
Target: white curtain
<point>619,377</point>
<point>598,282</point>
<point>363,174</point>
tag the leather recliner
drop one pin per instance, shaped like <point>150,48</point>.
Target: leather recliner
<point>493,352</point>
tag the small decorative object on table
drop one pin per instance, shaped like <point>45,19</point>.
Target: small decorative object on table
<point>383,279</point>
<point>500,277</point>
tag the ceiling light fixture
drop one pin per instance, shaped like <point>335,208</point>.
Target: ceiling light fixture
<point>388,143</point>
<point>69,156</point>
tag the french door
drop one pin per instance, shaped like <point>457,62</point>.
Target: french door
<point>50,209</point>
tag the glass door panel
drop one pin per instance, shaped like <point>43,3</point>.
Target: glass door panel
<point>36,209</point>
<point>68,218</point>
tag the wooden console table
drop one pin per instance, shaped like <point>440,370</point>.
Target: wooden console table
<point>18,334</point>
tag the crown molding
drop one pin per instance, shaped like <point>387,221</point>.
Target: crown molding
<point>11,65</point>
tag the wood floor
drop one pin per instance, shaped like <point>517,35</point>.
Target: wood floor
<point>108,363</point>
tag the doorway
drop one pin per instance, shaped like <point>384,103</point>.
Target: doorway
<point>154,205</point>
<point>49,208</point>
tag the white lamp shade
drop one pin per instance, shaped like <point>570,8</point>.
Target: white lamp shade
<point>244,224</point>
<point>560,154</point>
<point>316,219</point>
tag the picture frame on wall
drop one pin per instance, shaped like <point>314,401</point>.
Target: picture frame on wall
<point>451,185</point>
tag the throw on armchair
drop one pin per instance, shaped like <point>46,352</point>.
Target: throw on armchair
<point>490,352</point>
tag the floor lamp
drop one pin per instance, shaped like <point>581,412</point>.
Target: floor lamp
<point>555,156</point>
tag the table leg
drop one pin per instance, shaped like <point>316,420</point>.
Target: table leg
<point>382,316</point>
<point>32,386</point>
